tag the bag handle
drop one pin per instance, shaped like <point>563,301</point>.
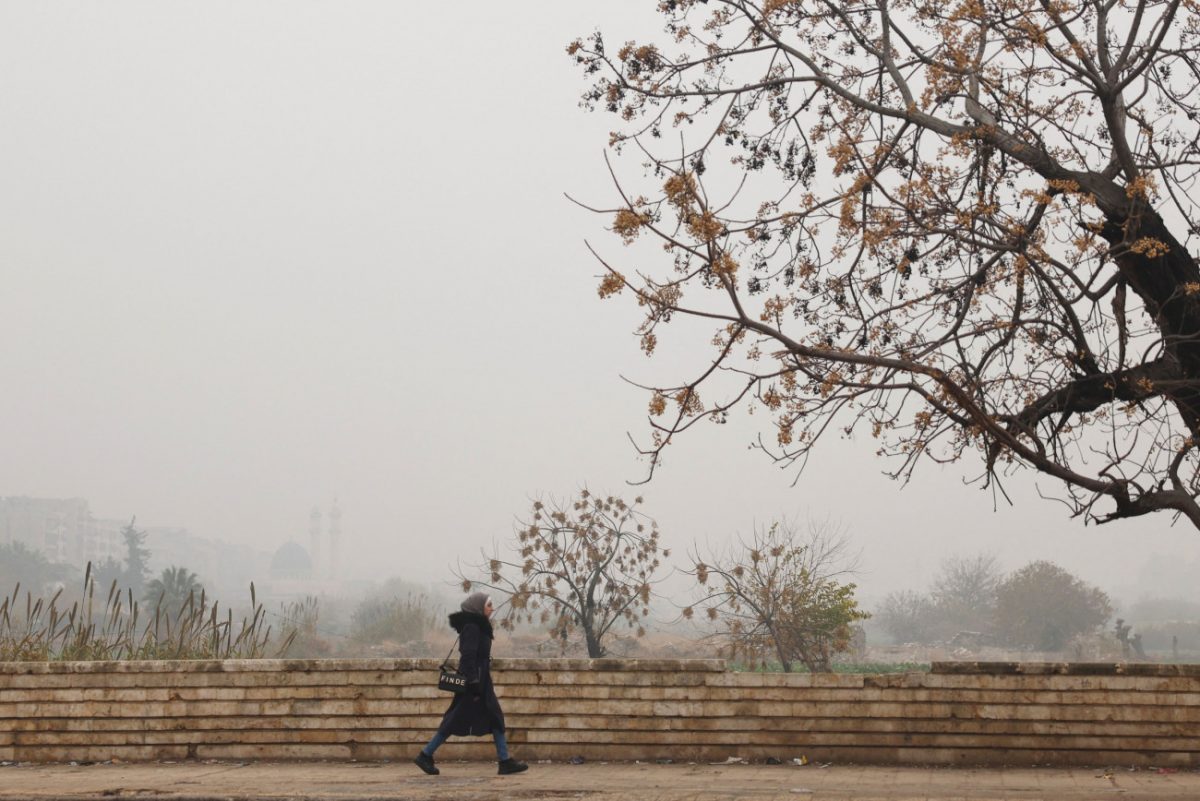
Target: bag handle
<point>446,661</point>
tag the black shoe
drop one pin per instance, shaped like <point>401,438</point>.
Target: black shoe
<point>425,762</point>
<point>511,765</point>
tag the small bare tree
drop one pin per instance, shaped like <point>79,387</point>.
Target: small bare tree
<point>964,592</point>
<point>585,565</point>
<point>782,594</point>
<point>961,600</point>
<point>908,616</point>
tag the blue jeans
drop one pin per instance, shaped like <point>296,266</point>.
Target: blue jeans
<point>497,735</point>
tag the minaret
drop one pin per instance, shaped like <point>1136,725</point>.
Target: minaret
<point>335,541</point>
<point>314,541</point>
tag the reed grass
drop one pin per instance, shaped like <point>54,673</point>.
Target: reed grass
<point>39,630</point>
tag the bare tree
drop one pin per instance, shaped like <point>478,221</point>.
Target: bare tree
<point>780,593</point>
<point>964,591</point>
<point>962,598</point>
<point>586,565</point>
<point>961,227</point>
<point>908,616</point>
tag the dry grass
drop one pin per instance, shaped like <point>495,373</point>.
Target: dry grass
<point>35,629</point>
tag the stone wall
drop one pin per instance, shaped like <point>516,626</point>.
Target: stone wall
<point>960,713</point>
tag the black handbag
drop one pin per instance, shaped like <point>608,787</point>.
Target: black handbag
<point>449,679</point>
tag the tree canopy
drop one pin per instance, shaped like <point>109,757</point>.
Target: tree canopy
<point>21,565</point>
<point>137,557</point>
<point>584,565</point>
<point>959,227</point>
<point>964,591</point>
<point>172,590</point>
<point>781,594</point>
<point>960,600</point>
<point>1042,606</point>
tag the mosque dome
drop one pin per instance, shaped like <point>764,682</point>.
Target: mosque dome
<point>291,561</point>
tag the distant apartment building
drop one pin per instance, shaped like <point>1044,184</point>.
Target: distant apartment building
<point>61,529</point>
<point>225,569</point>
<point>104,543</point>
<point>65,531</point>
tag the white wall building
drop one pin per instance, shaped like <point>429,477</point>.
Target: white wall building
<point>61,529</point>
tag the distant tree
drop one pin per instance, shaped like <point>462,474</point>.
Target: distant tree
<point>105,573</point>
<point>1164,609</point>
<point>964,593</point>
<point>20,564</point>
<point>1041,606</point>
<point>908,616</point>
<point>780,594</point>
<point>587,566</point>
<point>172,589</point>
<point>137,556</point>
<point>1172,637</point>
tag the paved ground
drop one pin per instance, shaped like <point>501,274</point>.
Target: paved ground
<point>476,781</point>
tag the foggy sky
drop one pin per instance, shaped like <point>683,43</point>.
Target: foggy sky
<point>256,255</point>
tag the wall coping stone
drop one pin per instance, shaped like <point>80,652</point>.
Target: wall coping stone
<point>606,665</point>
<point>1065,669</point>
<point>310,665</point>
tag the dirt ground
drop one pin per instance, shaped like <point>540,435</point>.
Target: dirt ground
<point>477,781</point>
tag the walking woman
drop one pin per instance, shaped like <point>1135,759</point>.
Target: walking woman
<point>475,712</point>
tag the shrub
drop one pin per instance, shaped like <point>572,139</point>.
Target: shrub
<point>379,619</point>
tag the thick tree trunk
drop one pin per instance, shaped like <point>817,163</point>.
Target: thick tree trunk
<point>780,651</point>
<point>817,663</point>
<point>1169,285</point>
<point>595,649</point>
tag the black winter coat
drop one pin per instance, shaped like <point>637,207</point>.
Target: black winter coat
<point>475,712</point>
